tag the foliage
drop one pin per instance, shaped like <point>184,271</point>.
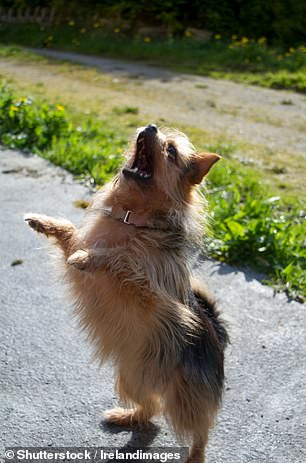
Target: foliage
<point>241,59</point>
<point>250,227</point>
<point>281,21</point>
<point>86,150</point>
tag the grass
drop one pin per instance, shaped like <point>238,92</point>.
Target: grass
<point>241,60</point>
<point>250,224</point>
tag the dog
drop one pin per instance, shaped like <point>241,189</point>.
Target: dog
<point>128,270</point>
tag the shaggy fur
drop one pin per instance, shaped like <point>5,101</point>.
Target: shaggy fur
<point>133,291</point>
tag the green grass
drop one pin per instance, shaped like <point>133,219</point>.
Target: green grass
<point>241,60</point>
<point>249,225</point>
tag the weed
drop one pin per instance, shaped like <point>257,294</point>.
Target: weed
<point>126,110</point>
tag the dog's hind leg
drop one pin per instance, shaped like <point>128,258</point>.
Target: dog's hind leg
<point>197,451</point>
<point>63,231</point>
<point>146,406</point>
<point>140,415</point>
<point>191,410</point>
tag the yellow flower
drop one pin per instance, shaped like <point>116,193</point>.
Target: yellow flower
<point>22,100</point>
<point>50,38</point>
<point>71,23</point>
<point>292,50</point>
<point>234,37</point>
<point>147,39</point>
<point>96,25</point>
<point>218,36</point>
<point>262,41</point>
<point>188,33</point>
<point>83,30</point>
<point>244,40</point>
<point>14,108</point>
<point>59,107</point>
<point>117,29</point>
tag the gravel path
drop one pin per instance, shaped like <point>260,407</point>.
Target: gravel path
<point>52,396</point>
<point>273,118</point>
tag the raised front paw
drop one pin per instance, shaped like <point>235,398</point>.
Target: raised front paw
<point>39,223</point>
<point>80,259</point>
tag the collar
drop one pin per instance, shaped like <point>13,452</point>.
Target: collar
<point>129,217</point>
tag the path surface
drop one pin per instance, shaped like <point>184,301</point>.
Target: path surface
<point>255,114</point>
<point>52,396</point>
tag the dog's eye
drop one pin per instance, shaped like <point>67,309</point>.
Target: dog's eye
<point>172,153</point>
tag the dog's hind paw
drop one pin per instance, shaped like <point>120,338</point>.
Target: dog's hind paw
<point>80,260</point>
<point>122,417</point>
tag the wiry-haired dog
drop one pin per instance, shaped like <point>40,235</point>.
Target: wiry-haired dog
<point>128,270</point>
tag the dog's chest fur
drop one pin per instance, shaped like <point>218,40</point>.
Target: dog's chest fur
<point>131,306</point>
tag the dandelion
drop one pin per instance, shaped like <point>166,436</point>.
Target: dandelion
<point>262,41</point>
<point>71,23</point>
<point>147,39</point>
<point>96,25</point>
<point>291,50</point>
<point>22,100</point>
<point>14,108</point>
<point>83,30</point>
<point>117,29</point>
<point>244,40</point>
<point>218,36</point>
<point>188,33</point>
<point>50,38</point>
<point>59,107</point>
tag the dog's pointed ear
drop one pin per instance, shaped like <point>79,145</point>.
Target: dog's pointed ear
<point>201,165</point>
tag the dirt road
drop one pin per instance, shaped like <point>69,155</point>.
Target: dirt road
<point>273,118</point>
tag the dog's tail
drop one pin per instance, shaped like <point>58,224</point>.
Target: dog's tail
<point>208,304</point>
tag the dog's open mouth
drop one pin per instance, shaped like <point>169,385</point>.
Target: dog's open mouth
<point>142,167</point>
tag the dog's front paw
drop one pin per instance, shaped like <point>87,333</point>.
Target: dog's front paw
<point>80,260</point>
<point>38,222</point>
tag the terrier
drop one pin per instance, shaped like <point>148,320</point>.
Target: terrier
<point>128,270</point>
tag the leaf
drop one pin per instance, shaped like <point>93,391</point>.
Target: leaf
<point>235,228</point>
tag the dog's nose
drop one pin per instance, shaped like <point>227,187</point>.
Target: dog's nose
<point>151,128</point>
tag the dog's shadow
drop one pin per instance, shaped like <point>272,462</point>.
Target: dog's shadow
<point>142,436</point>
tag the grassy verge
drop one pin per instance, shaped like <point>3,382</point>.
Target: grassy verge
<point>241,60</point>
<point>250,224</point>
